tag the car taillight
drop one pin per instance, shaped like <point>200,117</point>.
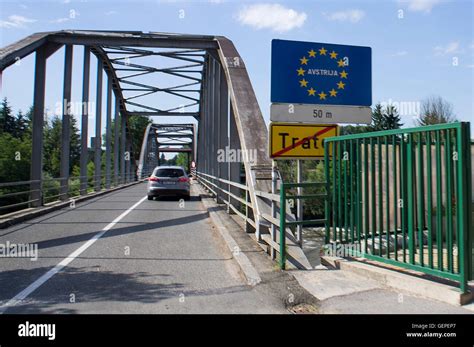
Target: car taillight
<point>183,179</point>
<point>154,179</point>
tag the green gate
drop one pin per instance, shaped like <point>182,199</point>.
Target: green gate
<point>403,197</point>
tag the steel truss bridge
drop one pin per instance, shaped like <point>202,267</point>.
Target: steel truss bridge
<point>204,79</point>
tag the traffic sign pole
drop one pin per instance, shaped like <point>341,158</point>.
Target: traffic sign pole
<point>299,202</point>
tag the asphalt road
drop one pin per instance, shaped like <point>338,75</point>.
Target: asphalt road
<point>162,257</point>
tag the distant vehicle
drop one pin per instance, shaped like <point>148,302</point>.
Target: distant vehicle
<point>169,181</point>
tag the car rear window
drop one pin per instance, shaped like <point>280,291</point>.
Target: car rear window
<point>169,173</point>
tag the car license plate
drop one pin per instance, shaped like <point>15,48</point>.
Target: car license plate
<point>169,182</point>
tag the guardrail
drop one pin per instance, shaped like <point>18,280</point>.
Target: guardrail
<point>210,182</point>
<point>403,197</point>
<point>53,190</point>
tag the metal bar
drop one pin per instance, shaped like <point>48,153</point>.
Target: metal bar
<point>439,202</point>
<point>85,120</point>
<point>345,196</point>
<point>429,186</point>
<point>449,207</point>
<point>327,201</point>
<point>463,220</point>
<point>421,196</point>
<point>65,125</point>
<point>282,226</point>
<point>358,220</point>
<point>108,135</point>
<point>379,192</point>
<point>395,132</point>
<point>387,195</point>
<point>116,141</point>
<point>374,206</point>
<point>366,195</point>
<point>38,120</point>
<point>98,128</point>
<point>395,195</point>
<point>299,202</point>
<point>123,136</point>
<point>410,198</point>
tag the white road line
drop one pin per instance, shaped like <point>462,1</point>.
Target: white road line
<point>40,281</point>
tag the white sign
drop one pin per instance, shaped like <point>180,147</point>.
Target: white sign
<point>320,114</point>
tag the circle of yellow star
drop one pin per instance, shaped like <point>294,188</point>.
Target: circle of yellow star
<point>333,92</point>
<point>343,74</point>
<point>322,51</point>
<point>322,96</point>
<point>301,71</point>
<point>333,55</point>
<point>340,85</point>
<point>304,61</point>
<point>311,91</point>
<point>340,63</point>
<point>312,53</point>
<point>303,83</point>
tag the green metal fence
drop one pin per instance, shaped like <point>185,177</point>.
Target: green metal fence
<point>284,196</point>
<point>403,197</point>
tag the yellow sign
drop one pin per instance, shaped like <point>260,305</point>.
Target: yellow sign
<point>291,140</point>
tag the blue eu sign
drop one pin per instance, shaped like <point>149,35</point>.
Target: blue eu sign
<point>321,73</point>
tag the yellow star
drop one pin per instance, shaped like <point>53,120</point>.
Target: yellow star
<point>340,85</point>
<point>303,83</point>
<point>312,53</point>
<point>304,61</point>
<point>322,51</point>
<point>301,71</point>
<point>333,55</point>
<point>322,96</point>
<point>340,63</point>
<point>311,91</point>
<point>343,74</point>
<point>333,92</point>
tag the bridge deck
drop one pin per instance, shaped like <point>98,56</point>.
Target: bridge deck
<point>177,263</point>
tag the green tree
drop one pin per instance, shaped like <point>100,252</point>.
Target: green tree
<point>182,160</point>
<point>52,146</point>
<point>377,118</point>
<point>7,120</point>
<point>15,157</point>
<point>391,118</point>
<point>136,129</point>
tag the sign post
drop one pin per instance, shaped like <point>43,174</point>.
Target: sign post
<point>313,87</point>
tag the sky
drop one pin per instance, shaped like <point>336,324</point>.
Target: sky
<point>420,48</point>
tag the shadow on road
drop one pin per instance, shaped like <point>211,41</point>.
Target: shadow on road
<point>91,286</point>
<point>122,231</point>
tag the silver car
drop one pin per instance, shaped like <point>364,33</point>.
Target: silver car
<point>168,181</point>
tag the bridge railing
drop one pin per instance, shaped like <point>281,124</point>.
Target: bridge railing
<point>56,189</point>
<point>403,197</point>
<point>238,204</point>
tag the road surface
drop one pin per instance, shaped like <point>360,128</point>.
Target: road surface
<point>104,257</point>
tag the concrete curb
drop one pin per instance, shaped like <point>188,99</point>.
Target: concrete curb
<point>31,213</point>
<point>249,271</point>
<point>403,282</point>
